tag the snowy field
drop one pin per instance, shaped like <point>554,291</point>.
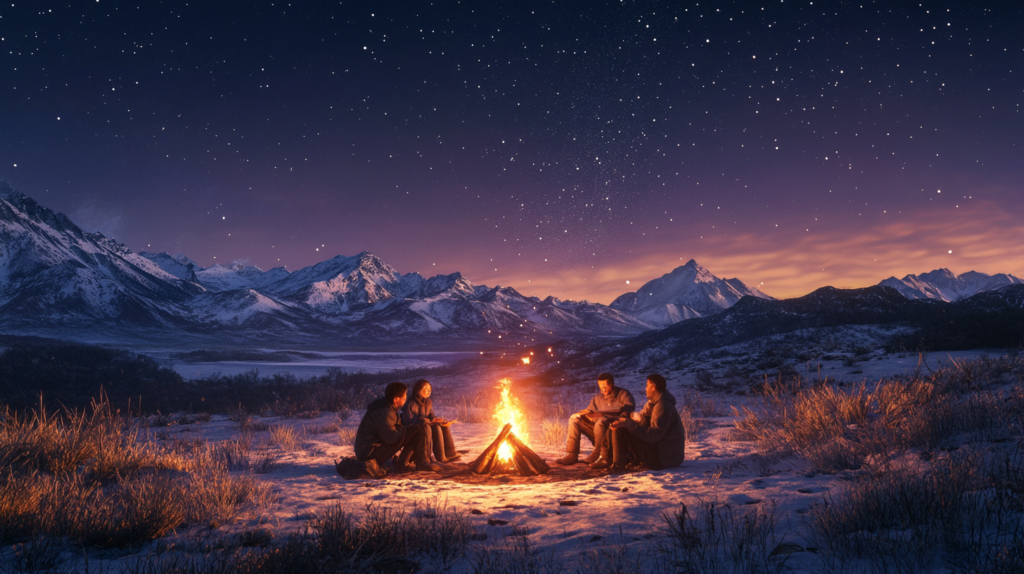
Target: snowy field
<point>621,513</point>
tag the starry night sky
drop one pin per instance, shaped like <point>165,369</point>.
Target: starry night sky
<point>559,147</point>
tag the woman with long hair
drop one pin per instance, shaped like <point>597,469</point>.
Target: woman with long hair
<point>419,409</point>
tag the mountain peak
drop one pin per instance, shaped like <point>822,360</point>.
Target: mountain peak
<point>687,291</point>
<point>945,285</point>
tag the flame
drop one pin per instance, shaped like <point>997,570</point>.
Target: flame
<point>506,412</point>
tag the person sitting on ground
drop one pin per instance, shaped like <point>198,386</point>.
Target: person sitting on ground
<point>381,435</point>
<point>654,437</point>
<point>419,410</point>
<point>608,404</point>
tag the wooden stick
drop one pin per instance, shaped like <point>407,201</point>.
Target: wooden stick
<point>522,465</point>
<point>484,462</point>
<point>535,460</point>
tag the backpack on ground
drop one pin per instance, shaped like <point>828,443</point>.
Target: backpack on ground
<point>352,469</point>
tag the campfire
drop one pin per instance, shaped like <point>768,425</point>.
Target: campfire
<point>509,453</point>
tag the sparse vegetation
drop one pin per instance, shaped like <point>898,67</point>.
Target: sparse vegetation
<point>842,428</point>
<point>716,538</point>
<point>88,477</point>
<point>553,432</point>
<point>383,541</point>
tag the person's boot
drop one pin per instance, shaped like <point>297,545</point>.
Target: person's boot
<point>374,470</point>
<point>594,457</point>
<point>569,458</point>
<point>427,466</point>
<point>601,464</point>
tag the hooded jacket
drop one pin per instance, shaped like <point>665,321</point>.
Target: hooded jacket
<point>660,424</point>
<point>380,425</point>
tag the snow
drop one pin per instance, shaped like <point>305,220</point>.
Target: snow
<point>605,511</point>
<point>943,284</point>
<point>686,292</point>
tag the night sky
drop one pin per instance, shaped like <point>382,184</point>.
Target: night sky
<point>559,147</point>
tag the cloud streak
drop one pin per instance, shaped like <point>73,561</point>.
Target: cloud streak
<point>985,238</point>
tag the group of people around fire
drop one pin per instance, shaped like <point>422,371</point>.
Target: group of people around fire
<point>400,431</point>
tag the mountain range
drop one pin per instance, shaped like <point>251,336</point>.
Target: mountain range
<point>58,280</point>
<point>990,319</point>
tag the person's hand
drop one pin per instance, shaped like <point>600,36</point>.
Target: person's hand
<point>618,424</point>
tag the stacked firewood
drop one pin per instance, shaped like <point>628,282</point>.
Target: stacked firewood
<point>524,461</point>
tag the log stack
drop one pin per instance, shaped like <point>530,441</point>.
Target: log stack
<point>524,461</point>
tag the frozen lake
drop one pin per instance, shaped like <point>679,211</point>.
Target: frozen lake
<point>314,364</point>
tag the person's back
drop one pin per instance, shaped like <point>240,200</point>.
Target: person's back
<point>380,416</point>
<point>672,444</point>
<point>655,436</point>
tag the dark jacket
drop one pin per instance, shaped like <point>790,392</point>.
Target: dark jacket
<point>622,401</point>
<point>380,425</point>
<point>417,410</point>
<point>660,424</point>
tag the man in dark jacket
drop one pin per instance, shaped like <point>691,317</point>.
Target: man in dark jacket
<point>655,436</point>
<point>381,434</point>
<point>609,403</point>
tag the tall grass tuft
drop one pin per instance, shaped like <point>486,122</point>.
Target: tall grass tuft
<point>717,539</point>
<point>287,438</point>
<point>838,429</point>
<point>90,478</point>
<point>553,432</point>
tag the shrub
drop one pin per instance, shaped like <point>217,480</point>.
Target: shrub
<point>715,538</point>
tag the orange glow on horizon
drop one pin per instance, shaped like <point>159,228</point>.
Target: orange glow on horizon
<point>792,263</point>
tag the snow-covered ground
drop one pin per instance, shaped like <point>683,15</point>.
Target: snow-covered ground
<point>568,517</point>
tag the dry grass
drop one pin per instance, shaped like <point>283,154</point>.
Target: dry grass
<point>90,478</point>
<point>347,436</point>
<point>384,541</point>
<point>717,538</point>
<point>325,428</point>
<point>962,509</point>
<point>945,459</point>
<point>553,432</point>
<point>475,409</point>
<point>287,438</point>
<point>838,428</point>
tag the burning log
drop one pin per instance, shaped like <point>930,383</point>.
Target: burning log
<point>522,460</point>
<point>535,461</point>
<point>484,462</point>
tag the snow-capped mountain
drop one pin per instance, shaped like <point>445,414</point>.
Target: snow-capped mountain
<point>991,319</point>
<point>52,272</point>
<point>945,285</point>
<point>687,292</point>
<point>178,265</point>
<point>57,280</point>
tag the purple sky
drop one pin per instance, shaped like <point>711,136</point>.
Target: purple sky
<point>561,148</point>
